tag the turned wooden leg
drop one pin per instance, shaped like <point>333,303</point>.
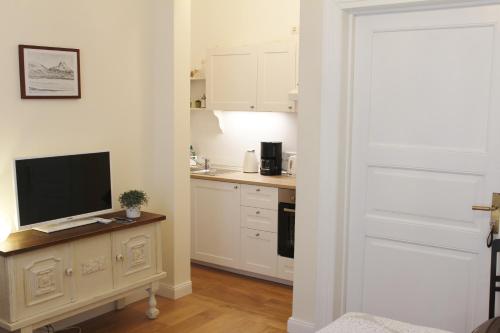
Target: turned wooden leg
<point>153,311</point>
<point>120,304</point>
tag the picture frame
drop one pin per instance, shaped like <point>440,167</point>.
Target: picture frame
<point>49,72</point>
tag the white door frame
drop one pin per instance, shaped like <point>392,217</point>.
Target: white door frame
<point>337,69</point>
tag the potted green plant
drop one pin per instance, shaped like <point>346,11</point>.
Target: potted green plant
<point>132,202</point>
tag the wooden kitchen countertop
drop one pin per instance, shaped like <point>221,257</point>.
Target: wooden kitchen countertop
<point>287,182</point>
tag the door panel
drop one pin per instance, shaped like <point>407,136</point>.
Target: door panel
<point>134,251</point>
<point>259,251</point>
<point>93,267</point>
<point>215,222</point>
<point>427,80</point>
<point>448,272</point>
<point>41,281</point>
<point>425,143</point>
<point>232,79</point>
<point>276,77</point>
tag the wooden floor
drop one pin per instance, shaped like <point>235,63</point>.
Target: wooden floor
<point>221,302</point>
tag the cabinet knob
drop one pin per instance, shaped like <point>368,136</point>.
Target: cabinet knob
<point>257,212</point>
<point>69,272</point>
<point>252,107</point>
<point>258,190</point>
<point>119,257</point>
<point>257,235</point>
<point>236,187</point>
<point>290,107</point>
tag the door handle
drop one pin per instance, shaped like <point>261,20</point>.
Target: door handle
<point>485,208</point>
<point>288,210</point>
<point>494,209</point>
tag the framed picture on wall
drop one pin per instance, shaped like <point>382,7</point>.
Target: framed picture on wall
<point>49,72</point>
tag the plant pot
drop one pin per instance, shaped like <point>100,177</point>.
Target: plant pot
<point>134,212</point>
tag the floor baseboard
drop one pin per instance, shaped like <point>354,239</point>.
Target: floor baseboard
<point>300,326</point>
<point>175,292</point>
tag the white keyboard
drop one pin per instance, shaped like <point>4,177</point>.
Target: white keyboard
<point>65,225</point>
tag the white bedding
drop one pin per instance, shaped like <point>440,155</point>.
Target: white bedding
<point>365,323</point>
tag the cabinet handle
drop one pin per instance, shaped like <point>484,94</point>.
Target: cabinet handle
<point>119,257</point>
<point>69,272</point>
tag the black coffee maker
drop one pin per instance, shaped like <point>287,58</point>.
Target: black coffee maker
<point>270,158</point>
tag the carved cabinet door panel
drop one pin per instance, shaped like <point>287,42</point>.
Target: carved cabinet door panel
<point>134,253</point>
<point>93,272</point>
<point>41,280</point>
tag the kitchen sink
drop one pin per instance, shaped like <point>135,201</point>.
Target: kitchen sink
<point>211,172</point>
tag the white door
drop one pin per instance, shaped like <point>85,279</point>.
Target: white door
<point>277,77</point>
<point>425,148</point>
<point>215,222</point>
<point>232,79</point>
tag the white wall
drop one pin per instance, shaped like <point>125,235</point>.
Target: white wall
<point>128,103</point>
<point>321,175</point>
<point>114,69</point>
<point>232,23</point>
<point>167,138</point>
<point>242,131</point>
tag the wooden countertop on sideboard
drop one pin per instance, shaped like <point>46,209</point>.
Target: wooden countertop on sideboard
<point>283,181</point>
<point>24,241</point>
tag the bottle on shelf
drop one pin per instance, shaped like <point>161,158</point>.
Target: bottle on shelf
<point>203,101</point>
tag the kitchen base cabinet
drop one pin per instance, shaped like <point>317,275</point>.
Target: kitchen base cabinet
<point>215,227</point>
<point>258,253</point>
<point>285,268</point>
<point>60,275</point>
<point>234,227</point>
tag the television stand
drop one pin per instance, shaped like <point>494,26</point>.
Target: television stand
<point>45,278</point>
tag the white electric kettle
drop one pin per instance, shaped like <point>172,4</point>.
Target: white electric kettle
<point>292,165</point>
<point>250,163</point>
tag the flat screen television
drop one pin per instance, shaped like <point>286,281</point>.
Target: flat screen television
<point>62,188</point>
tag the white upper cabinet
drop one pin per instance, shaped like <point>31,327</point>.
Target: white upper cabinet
<point>277,77</point>
<point>252,78</point>
<point>232,79</point>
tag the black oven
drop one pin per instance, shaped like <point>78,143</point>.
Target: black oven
<point>286,223</point>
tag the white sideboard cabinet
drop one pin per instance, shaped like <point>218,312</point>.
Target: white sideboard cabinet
<point>45,278</point>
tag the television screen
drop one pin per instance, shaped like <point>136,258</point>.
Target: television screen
<point>52,188</point>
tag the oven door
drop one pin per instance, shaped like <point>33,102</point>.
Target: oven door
<point>286,229</point>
